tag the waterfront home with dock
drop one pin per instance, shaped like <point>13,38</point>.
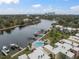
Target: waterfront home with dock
<point>64,49</point>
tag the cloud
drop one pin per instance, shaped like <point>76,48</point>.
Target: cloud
<point>71,10</point>
<point>40,10</point>
<point>9,1</point>
<point>36,5</point>
<point>75,8</point>
<point>32,10</point>
<point>12,11</point>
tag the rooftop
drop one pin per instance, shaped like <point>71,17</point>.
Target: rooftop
<point>74,38</point>
<point>38,54</point>
<point>70,42</point>
<point>49,47</point>
<point>24,56</point>
<point>77,34</point>
<point>65,47</point>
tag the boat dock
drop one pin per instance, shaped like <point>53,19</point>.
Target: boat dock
<point>4,52</point>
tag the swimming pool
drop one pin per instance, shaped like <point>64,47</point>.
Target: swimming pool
<point>38,44</point>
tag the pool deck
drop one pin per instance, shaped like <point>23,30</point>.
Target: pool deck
<point>38,40</point>
<point>37,44</point>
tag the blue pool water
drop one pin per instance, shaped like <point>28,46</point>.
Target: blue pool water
<point>38,44</point>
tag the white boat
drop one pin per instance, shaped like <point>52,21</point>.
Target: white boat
<point>15,46</point>
<point>5,50</point>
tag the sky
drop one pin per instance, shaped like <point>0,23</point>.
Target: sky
<point>39,6</point>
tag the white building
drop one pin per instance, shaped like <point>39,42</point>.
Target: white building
<point>55,53</point>
<point>24,56</point>
<point>59,26</point>
<point>70,29</point>
<point>38,54</point>
<point>26,19</point>
<point>74,38</point>
<point>60,50</point>
<point>77,34</point>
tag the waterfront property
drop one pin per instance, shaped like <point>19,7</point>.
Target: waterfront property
<point>21,36</point>
<point>64,49</point>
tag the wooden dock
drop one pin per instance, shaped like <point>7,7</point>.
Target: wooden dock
<point>4,52</point>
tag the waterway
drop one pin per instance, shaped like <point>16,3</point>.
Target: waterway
<point>21,36</point>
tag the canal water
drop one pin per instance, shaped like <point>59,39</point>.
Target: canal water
<point>22,36</point>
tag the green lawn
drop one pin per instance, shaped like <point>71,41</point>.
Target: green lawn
<point>55,35</point>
